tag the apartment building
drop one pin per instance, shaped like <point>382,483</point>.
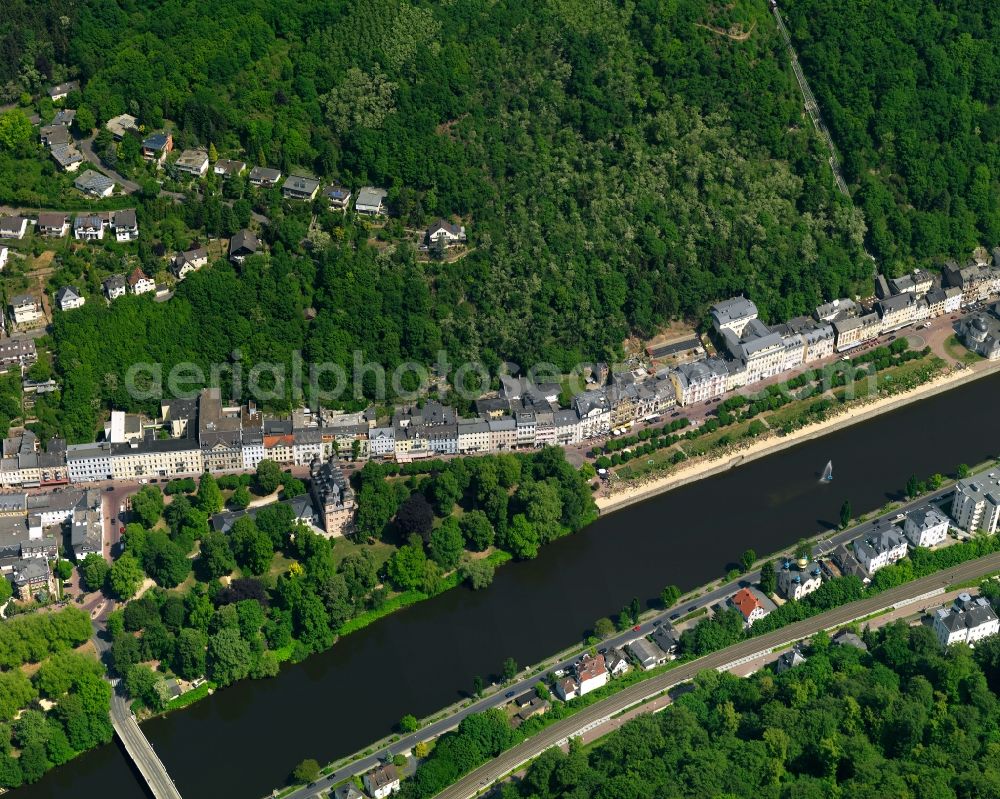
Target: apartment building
<point>976,502</point>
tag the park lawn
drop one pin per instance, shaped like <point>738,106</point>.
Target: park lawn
<point>646,464</point>
<point>185,587</point>
<point>709,441</point>
<point>381,551</point>
<point>280,564</point>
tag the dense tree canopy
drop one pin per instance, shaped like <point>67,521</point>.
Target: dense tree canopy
<point>616,166</point>
<point>910,91</point>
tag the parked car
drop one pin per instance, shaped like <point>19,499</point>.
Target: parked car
<point>509,694</point>
<point>674,616</point>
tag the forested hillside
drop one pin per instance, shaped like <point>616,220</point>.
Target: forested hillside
<point>616,164</point>
<point>907,721</point>
<point>909,89</point>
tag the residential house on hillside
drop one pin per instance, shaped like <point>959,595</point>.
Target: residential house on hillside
<point>52,135</point>
<point>18,350</point>
<point>925,526</point>
<point>338,197</point>
<point>89,227</point>
<point>848,638</point>
<point>95,184</point>
<point>297,187</point>
<point>26,309</point>
<point>967,621</point>
<point>186,262</point>
<point>62,90</point>
<point>243,245</point>
<point>156,146</point>
<point>115,287</point>
<point>68,298</point>
<point>192,162</point>
<point>227,168</point>
<point>121,125</point>
<point>53,224</point>
<point>139,283</point>
<point>789,660</point>
<point>371,201</point>
<point>445,234</point>
<point>64,117</point>
<point>13,227</point>
<point>67,156</point>
<point>264,177</point>
<point>125,225</point>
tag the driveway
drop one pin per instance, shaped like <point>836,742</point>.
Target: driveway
<point>87,148</point>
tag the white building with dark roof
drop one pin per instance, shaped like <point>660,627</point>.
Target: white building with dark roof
<point>371,201</point>
<point>733,314</point>
<point>95,184</point>
<point>700,380</point>
<point>925,526</point>
<point>192,162</point>
<point>68,298</point>
<point>796,580</point>
<point>381,781</point>
<point>264,177</point>
<point>967,621</point>
<point>880,549</point>
<point>298,187</point>
<point>13,227</point>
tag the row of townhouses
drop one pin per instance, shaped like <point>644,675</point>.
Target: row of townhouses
<point>751,351</point>
<point>85,227</point>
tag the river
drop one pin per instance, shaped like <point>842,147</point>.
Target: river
<point>243,741</point>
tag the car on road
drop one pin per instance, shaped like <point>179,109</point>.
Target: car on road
<point>674,616</point>
<point>121,530</point>
<point>892,338</point>
<point>509,694</point>
<point>692,609</point>
<point>110,488</point>
<point>658,622</point>
<point>637,627</point>
<point>675,414</point>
